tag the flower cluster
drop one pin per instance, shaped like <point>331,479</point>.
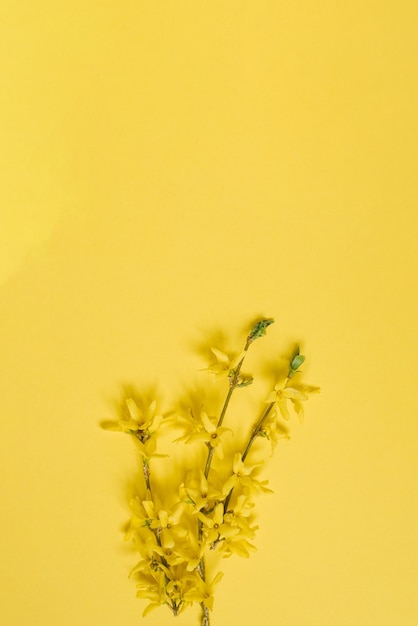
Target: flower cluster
<point>211,511</point>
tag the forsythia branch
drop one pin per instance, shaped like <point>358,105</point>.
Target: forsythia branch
<point>212,507</point>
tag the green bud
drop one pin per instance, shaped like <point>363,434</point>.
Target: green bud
<point>296,362</point>
<point>259,329</point>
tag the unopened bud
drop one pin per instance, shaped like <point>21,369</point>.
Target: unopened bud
<point>259,329</point>
<point>296,362</point>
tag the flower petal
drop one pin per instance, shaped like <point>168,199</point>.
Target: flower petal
<point>282,404</point>
<point>210,427</point>
<point>221,357</point>
<point>230,484</point>
<point>237,463</point>
<point>294,394</point>
<point>272,397</point>
<point>134,411</point>
<point>298,406</point>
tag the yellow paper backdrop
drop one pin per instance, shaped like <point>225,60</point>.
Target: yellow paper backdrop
<point>174,167</point>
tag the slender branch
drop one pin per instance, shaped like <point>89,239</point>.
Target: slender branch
<point>209,460</point>
<point>257,331</point>
<point>256,430</point>
<point>146,471</point>
<point>233,384</point>
<point>205,615</point>
<point>202,571</point>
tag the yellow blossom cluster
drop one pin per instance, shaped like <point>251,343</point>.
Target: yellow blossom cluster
<point>211,511</point>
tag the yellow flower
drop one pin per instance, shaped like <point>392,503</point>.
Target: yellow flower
<point>238,516</point>
<point>166,523</point>
<point>147,448</point>
<point>134,420</point>
<point>287,389</point>
<point>179,582</point>
<point>273,430</point>
<point>200,492</point>
<point>202,591</point>
<point>242,477</point>
<point>237,544</point>
<point>224,364</point>
<point>149,562</point>
<point>192,552</point>
<point>152,587</point>
<point>139,519</point>
<point>210,434</point>
<point>214,526</point>
<point>190,425</point>
<point>170,554</point>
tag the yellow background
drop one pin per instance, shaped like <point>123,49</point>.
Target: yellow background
<point>171,167</point>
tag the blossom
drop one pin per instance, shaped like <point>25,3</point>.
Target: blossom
<point>152,587</point>
<point>192,552</point>
<point>238,516</point>
<point>237,544</point>
<point>273,430</point>
<point>202,590</point>
<point>170,554</point>
<point>147,448</point>
<point>179,583</point>
<point>214,526</point>
<point>189,424</point>
<point>242,477</point>
<point>147,550</point>
<point>208,432</point>
<point>200,492</point>
<point>166,522</point>
<point>297,393</point>
<point>135,420</point>
<point>139,519</point>
<point>224,364</point>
